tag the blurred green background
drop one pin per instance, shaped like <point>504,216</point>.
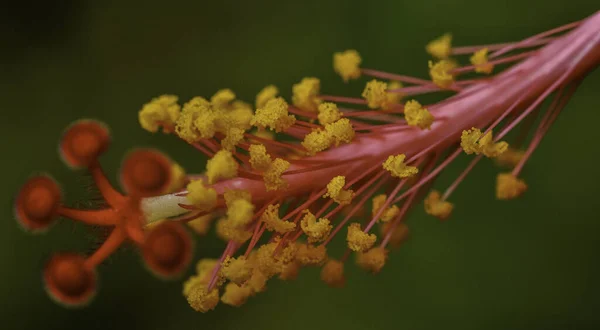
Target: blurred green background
<point>526,264</point>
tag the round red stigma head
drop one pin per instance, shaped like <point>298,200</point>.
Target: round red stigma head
<point>146,173</point>
<point>167,249</point>
<point>83,142</point>
<point>68,280</point>
<point>37,203</point>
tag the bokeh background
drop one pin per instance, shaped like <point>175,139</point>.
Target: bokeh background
<point>525,264</point>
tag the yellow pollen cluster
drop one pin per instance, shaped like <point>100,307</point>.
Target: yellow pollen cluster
<point>236,295</point>
<point>231,195</point>
<point>317,231</point>
<point>393,97</point>
<point>347,64</point>
<point>203,198</point>
<point>316,141</point>
<point>228,231</point>
<point>265,95</point>
<point>272,176</point>
<point>259,159</point>
<point>310,255</point>
<point>271,264</point>
<point>472,142</point>
<point>290,271</point>
<point>328,113</point>
<point>201,224</point>
<point>178,178</point>
<point>510,158</point>
<point>480,61</point>
<point>437,207</point>
<point>240,212</point>
<point>509,187</point>
<point>237,270</point>
<point>305,94</point>
<point>440,73</point>
<point>221,166</point>
<point>335,190</point>
<point>389,213</point>
<point>416,115</point>
<point>222,98</point>
<point>201,300</point>
<point>274,115</point>
<point>441,47</point>
<point>375,93</point>
<point>395,165</point>
<point>340,131</point>
<point>358,240</point>
<point>372,260</point>
<point>333,274</point>
<point>273,223</point>
<point>161,111</point>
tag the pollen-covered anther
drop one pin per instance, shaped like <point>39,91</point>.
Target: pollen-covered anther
<point>437,207</point>
<point>271,264</point>
<point>310,255</point>
<point>240,212</point>
<point>272,221</point>
<point>440,73</point>
<point>509,187</point>
<point>332,273</point>
<point>480,61</point>
<point>316,231</point>
<point>236,295</point>
<point>200,196</point>
<point>340,131</point>
<point>260,160</point>
<point>265,95</point>
<point>274,115</point>
<point>237,270</point>
<point>510,158</point>
<point>441,47</point>
<point>162,111</point>
<point>328,113</point>
<point>227,231</point>
<point>335,190</point>
<point>375,93</point>
<point>305,94</point>
<point>146,172</point>
<point>372,260</point>
<point>393,98</point>
<point>317,140</point>
<point>37,203</point>
<point>222,98</point>
<point>395,165</point>
<point>167,249</point>
<point>290,271</point>
<point>388,214</point>
<point>83,142</point>
<point>68,280</point>
<point>202,300</point>
<point>221,166</point>
<point>347,64</point>
<point>273,175</point>
<point>201,224</point>
<point>416,115</point>
<point>358,240</point>
<point>178,178</point>
<point>473,141</point>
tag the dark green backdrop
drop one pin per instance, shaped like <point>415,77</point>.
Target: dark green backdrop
<point>526,264</point>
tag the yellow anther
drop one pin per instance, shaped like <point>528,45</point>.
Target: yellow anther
<point>440,73</point>
<point>328,113</point>
<point>372,260</point>
<point>186,123</point>
<point>347,64</point>
<point>440,47</point>
<point>434,205</point>
<point>162,111</point>
<point>201,300</point>
<point>240,212</point>
<point>271,264</point>
<point>317,140</point>
<point>205,267</point>
<point>178,180</point>
<point>273,223</point>
<point>290,271</point>
<point>509,187</point>
<point>375,93</point>
<point>265,95</point>
<point>395,97</point>
<point>358,240</point>
<point>236,295</point>
<point>335,190</point>
<point>340,131</point>
<point>231,195</point>
<point>237,270</point>
<point>480,61</point>
<point>310,255</point>
<point>317,231</point>
<point>416,115</point>
<point>259,158</point>
<point>258,282</point>
<point>221,166</point>
<point>201,224</point>
<point>222,98</point>
<point>273,175</point>
<point>398,234</point>
<point>305,94</point>
<point>395,165</point>
<point>232,138</point>
<point>274,115</point>
<point>333,273</point>
<point>264,134</point>
<point>510,158</point>
<point>203,198</point>
<point>472,142</point>
<point>228,232</point>
<point>387,215</point>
